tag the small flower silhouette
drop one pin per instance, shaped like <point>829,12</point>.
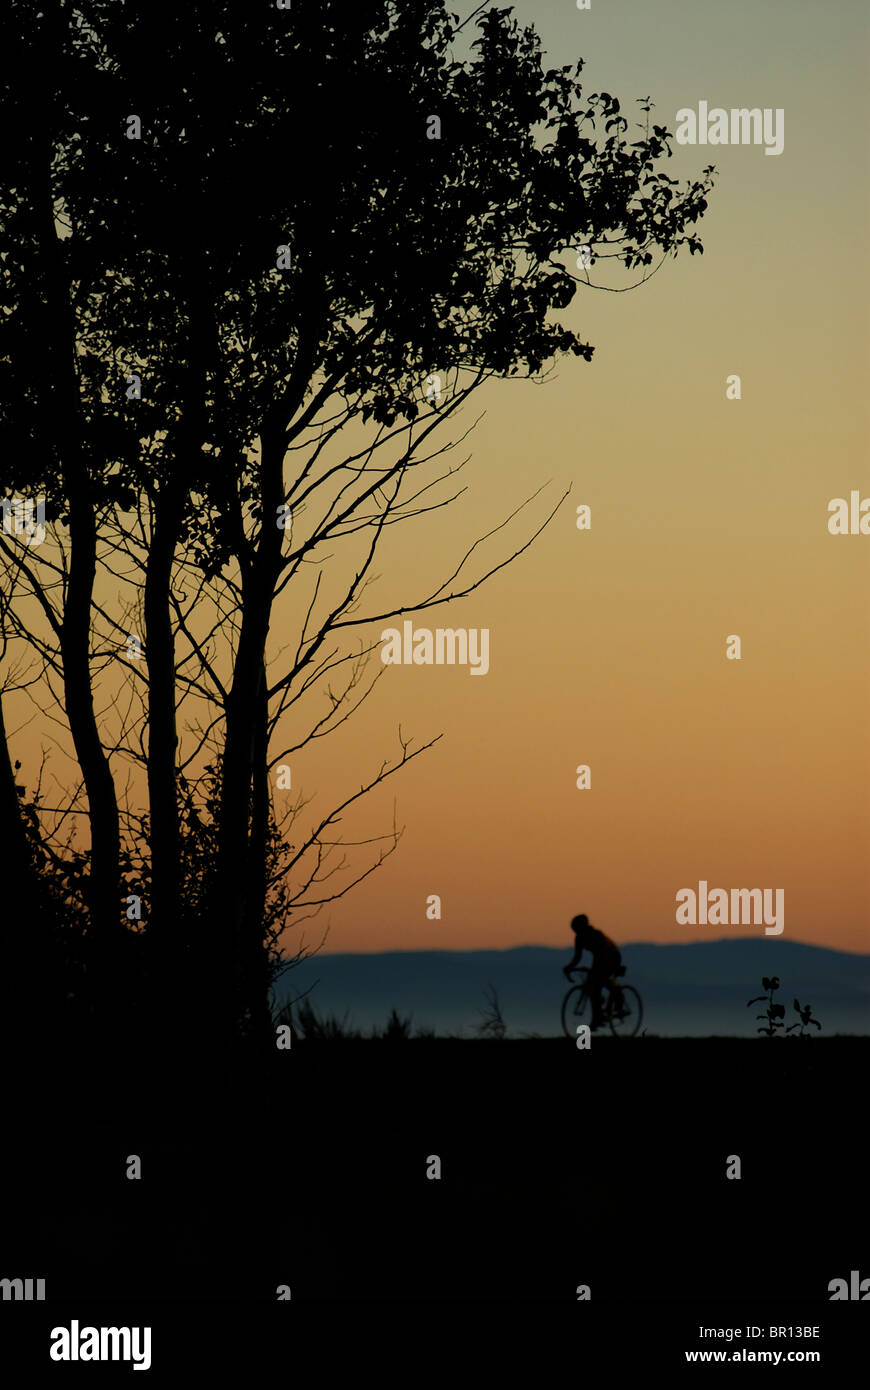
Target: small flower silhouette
<point>805,1014</point>
<point>774,1013</point>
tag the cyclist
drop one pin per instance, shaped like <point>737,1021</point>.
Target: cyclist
<point>606,960</point>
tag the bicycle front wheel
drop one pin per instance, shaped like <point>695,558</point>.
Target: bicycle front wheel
<point>576,1009</point>
<point>626,1015</point>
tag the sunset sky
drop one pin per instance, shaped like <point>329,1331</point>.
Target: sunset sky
<point>709,518</point>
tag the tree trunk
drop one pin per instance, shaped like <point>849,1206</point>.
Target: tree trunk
<point>18,956</point>
<point>16,850</point>
<point>163,913</point>
<point>63,392</point>
<point>79,702</point>
<point>236,908</point>
<point>256,973</point>
<point>169,927</point>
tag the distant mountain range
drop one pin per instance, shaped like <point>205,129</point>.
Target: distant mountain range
<point>692,990</point>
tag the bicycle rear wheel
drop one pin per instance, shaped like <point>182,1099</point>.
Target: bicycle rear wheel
<point>576,1009</point>
<point>626,1012</point>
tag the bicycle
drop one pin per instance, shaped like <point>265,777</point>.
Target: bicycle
<point>622,1006</point>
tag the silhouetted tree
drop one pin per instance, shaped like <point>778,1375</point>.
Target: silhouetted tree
<point>239,245</point>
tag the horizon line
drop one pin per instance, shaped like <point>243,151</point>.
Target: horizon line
<point>548,946</point>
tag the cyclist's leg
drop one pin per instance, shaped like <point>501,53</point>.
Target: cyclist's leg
<point>610,982</point>
<point>595,983</point>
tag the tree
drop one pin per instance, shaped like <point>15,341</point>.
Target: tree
<point>237,245</point>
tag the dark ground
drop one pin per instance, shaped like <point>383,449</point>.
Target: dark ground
<point>560,1167</point>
